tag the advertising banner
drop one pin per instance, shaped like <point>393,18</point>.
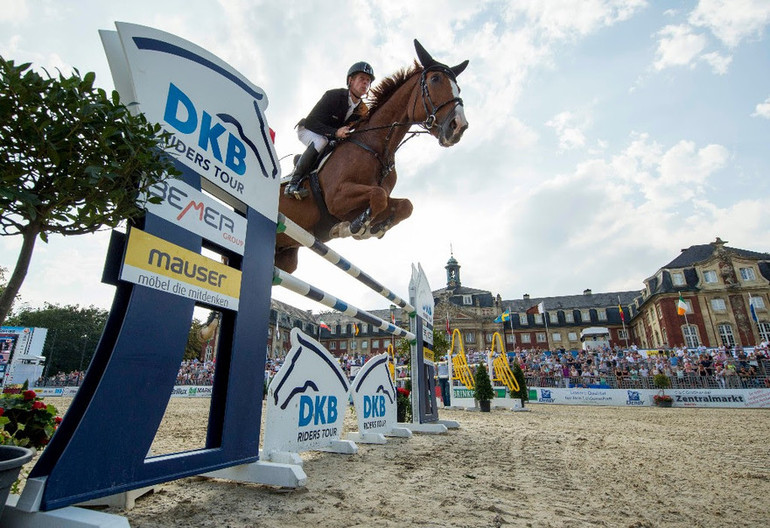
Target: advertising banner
<point>151,261</point>
<point>727,398</point>
<point>192,210</point>
<point>374,396</point>
<point>306,400</point>
<point>216,116</point>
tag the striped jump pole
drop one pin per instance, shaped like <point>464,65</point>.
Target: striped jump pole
<point>294,231</point>
<point>301,287</point>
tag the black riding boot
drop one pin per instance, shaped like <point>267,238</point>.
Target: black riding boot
<point>301,170</point>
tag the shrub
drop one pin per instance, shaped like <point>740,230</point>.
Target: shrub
<point>483,390</point>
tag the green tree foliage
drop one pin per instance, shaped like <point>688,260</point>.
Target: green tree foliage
<point>194,341</point>
<point>72,160</point>
<point>440,343</point>
<point>73,333</point>
<point>483,390</point>
<point>523,392</point>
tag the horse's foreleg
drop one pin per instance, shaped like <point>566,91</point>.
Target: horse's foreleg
<point>398,209</point>
<point>353,198</point>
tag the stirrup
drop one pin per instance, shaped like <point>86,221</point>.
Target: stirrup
<point>295,191</point>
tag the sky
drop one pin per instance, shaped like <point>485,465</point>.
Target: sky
<point>604,135</point>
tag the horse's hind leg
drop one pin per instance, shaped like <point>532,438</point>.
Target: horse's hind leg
<point>286,259</point>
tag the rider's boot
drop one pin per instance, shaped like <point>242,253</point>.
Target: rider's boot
<point>301,170</point>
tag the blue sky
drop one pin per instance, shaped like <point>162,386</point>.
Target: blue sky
<point>604,135</point>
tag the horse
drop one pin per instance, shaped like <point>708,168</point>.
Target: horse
<point>351,190</point>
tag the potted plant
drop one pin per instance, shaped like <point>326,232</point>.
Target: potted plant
<point>482,392</point>
<point>403,406</point>
<point>662,382</point>
<point>26,424</point>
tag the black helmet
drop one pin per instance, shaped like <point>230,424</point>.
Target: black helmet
<point>363,67</point>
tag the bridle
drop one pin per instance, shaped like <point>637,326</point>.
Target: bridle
<point>387,159</point>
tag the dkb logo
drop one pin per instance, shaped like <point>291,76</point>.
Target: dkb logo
<point>319,411</point>
<point>374,406</point>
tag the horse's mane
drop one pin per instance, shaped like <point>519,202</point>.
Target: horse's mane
<point>388,86</point>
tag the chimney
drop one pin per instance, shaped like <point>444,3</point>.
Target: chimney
<point>526,296</point>
<point>587,291</point>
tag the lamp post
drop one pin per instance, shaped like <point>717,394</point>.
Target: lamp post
<point>83,353</point>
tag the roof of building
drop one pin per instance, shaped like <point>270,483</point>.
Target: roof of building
<point>702,252</point>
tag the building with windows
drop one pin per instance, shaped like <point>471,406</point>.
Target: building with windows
<point>563,318</point>
<point>724,293</point>
<point>723,289</point>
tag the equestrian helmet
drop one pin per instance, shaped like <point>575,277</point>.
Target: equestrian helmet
<point>363,67</point>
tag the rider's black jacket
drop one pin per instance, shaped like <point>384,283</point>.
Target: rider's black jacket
<point>329,113</point>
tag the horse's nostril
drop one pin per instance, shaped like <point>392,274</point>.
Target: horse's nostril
<point>453,124</point>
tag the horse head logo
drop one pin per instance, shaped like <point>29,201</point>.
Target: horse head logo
<point>307,366</point>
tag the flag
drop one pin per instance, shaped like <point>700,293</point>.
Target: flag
<point>324,325</point>
<point>355,329</point>
<point>681,306</point>
<point>751,307</point>
<point>506,315</point>
<point>537,309</point>
<point>622,316</point>
<point>448,331</point>
<point>393,317</point>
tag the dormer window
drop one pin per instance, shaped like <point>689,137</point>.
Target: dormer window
<point>467,300</point>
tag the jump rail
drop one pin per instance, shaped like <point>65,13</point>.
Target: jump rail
<point>301,287</point>
<point>294,231</point>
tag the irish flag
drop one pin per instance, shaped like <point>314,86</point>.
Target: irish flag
<point>681,306</point>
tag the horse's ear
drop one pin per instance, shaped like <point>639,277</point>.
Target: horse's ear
<point>425,59</point>
<point>457,70</point>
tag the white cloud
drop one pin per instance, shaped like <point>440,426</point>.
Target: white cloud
<point>13,11</point>
<point>718,62</point>
<point>678,46</point>
<point>762,109</point>
<point>732,20</point>
<point>569,132</point>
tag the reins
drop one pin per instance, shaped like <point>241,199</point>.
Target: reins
<point>388,163</point>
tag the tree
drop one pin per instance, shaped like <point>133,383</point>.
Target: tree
<point>518,375</point>
<point>483,390</point>
<point>72,160</point>
<point>440,343</point>
<point>73,333</point>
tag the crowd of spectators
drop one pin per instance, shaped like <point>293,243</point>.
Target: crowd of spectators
<point>604,367</point>
<point>632,368</point>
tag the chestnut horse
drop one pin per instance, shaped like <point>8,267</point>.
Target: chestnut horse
<point>351,190</point>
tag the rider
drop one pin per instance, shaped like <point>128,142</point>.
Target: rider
<point>331,118</point>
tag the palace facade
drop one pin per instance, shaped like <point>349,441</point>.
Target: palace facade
<point>718,285</point>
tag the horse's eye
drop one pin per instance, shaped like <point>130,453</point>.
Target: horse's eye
<point>435,78</point>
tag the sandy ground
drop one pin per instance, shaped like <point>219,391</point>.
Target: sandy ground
<point>556,466</point>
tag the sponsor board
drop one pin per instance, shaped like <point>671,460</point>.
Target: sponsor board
<point>727,398</point>
<point>306,400</point>
<point>152,262</point>
<point>194,211</point>
<point>214,114</point>
<point>374,396</point>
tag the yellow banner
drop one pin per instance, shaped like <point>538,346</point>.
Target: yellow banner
<point>159,258</point>
<point>428,355</point>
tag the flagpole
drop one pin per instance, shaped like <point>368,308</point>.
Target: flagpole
<point>623,320</point>
<point>753,313</point>
<point>545,318</point>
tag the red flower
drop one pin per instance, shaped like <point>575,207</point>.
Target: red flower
<point>39,405</point>
<point>403,391</point>
<point>29,395</point>
<point>2,411</point>
<point>57,420</point>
